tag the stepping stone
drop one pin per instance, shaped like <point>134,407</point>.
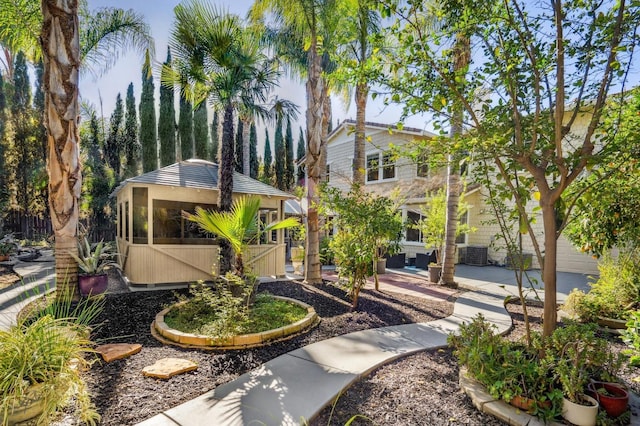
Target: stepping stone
<point>168,367</point>
<point>114,351</point>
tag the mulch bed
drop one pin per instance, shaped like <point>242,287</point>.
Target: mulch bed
<point>418,389</point>
<point>124,397</point>
<point>7,277</point>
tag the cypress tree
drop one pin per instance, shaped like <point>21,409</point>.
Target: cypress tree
<point>113,144</point>
<point>148,126</point>
<point>201,131</point>
<point>167,119</point>
<point>280,159</point>
<point>266,167</point>
<point>289,171</point>
<point>24,150</point>
<point>215,138</point>
<point>4,193</point>
<point>98,180</point>
<point>185,127</point>
<point>130,136</point>
<point>239,153</point>
<point>253,152</point>
<point>302,150</point>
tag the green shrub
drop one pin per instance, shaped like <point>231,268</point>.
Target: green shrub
<point>631,336</point>
<point>614,294</point>
<point>326,253</point>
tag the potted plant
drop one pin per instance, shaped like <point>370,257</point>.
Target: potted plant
<point>8,246</point>
<point>298,235</point>
<point>611,396</point>
<point>41,366</point>
<point>93,260</point>
<point>433,228</point>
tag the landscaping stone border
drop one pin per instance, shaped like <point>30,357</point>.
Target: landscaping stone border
<point>499,409</point>
<point>162,332</point>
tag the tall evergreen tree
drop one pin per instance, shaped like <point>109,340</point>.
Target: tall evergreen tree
<point>239,147</point>
<point>113,144</point>
<point>148,126</point>
<point>289,169</point>
<point>167,119</point>
<point>300,154</point>
<point>130,142</point>
<point>4,193</point>
<point>253,152</point>
<point>266,167</point>
<point>24,149</point>
<point>99,186</point>
<point>201,131</point>
<point>215,138</point>
<point>185,127</point>
<point>40,132</point>
<point>280,159</point>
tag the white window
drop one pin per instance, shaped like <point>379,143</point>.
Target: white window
<point>464,220</point>
<point>380,166</point>
<point>413,234</point>
<point>422,166</point>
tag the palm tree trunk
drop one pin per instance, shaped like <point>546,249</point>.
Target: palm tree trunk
<point>315,98</point>
<point>358,173</point>
<point>61,57</point>
<point>462,58</point>
<point>246,160</point>
<point>225,181</point>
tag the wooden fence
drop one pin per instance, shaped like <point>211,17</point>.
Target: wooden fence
<point>36,228</point>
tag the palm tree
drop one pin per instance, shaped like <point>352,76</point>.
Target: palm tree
<point>308,20</point>
<point>104,34</point>
<point>60,38</point>
<point>239,226</point>
<point>224,64</point>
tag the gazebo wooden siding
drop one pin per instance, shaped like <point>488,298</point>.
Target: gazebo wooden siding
<point>148,263</point>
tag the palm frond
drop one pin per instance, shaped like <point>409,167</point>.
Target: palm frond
<point>107,33</point>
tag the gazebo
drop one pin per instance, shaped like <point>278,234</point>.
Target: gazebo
<point>157,245</point>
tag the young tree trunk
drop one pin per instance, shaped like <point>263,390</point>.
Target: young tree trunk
<point>61,57</point>
<point>358,172</point>
<point>313,271</point>
<point>225,181</point>
<point>246,155</point>
<point>549,276</point>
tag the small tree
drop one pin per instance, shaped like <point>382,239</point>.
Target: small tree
<point>433,225</point>
<point>368,226</point>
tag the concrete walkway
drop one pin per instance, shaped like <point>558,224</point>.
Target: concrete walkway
<point>37,278</point>
<point>296,386</point>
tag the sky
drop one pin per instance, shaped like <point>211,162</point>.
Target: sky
<point>159,15</point>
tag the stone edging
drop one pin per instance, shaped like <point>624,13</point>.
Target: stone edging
<point>161,331</point>
<point>497,408</point>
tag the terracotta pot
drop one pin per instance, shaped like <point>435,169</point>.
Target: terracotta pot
<point>578,414</point>
<point>381,266</point>
<point>617,400</point>
<point>4,257</point>
<point>91,285</point>
<point>32,405</point>
<point>528,404</point>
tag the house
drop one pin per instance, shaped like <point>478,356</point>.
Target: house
<point>412,179</point>
<point>157,245</point>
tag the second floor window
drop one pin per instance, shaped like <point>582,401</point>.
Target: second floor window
<point>380,166</point>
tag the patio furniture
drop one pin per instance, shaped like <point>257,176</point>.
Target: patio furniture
<point>396,261</point>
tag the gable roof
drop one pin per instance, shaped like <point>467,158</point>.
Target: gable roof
<point>381,126</point>
<point>201,174</point>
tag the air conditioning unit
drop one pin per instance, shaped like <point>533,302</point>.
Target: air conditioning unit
<point>476,256</point>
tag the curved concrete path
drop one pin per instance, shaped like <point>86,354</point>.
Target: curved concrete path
<point>294,387</point>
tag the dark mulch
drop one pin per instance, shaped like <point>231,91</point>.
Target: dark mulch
<point>123,396</point>
<point>423,388</point>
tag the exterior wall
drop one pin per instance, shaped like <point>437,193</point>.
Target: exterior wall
<point>152,264</point>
